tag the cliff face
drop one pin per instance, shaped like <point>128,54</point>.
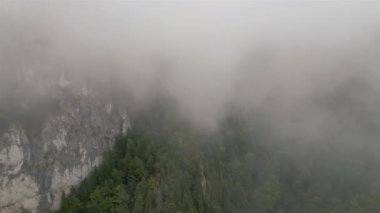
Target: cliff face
<point>38,162</point>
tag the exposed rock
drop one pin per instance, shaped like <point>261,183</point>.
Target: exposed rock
<point>35,168</point>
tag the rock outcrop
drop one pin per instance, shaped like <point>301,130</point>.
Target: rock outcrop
<point>38,163</point>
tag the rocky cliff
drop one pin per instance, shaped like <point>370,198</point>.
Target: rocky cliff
<point>41,160</point>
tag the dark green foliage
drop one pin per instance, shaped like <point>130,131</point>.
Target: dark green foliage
<point>163,165</point>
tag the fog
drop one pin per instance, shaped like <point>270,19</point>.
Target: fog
<point>308,68</point>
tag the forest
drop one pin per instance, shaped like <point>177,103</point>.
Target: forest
<point>166,165</point>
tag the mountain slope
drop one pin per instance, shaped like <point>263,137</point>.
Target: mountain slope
<point>164,165</point>
<point>48,148</point>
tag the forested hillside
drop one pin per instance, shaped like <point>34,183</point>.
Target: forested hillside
<point>164,165</point>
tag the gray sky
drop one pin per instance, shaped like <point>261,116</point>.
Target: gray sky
<point>278,55</point>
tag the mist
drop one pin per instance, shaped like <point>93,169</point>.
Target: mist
<point>209,106</point>
<point>309,68</point>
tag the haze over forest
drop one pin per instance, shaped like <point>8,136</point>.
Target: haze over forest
<point>304,73</point>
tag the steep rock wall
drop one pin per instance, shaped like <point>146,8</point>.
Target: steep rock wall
<point>39,163</point>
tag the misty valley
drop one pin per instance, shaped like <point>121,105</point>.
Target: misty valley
<point>189,106</point>
<point>164,165</point>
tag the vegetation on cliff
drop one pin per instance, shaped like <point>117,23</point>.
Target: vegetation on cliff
<point>164,165</point>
